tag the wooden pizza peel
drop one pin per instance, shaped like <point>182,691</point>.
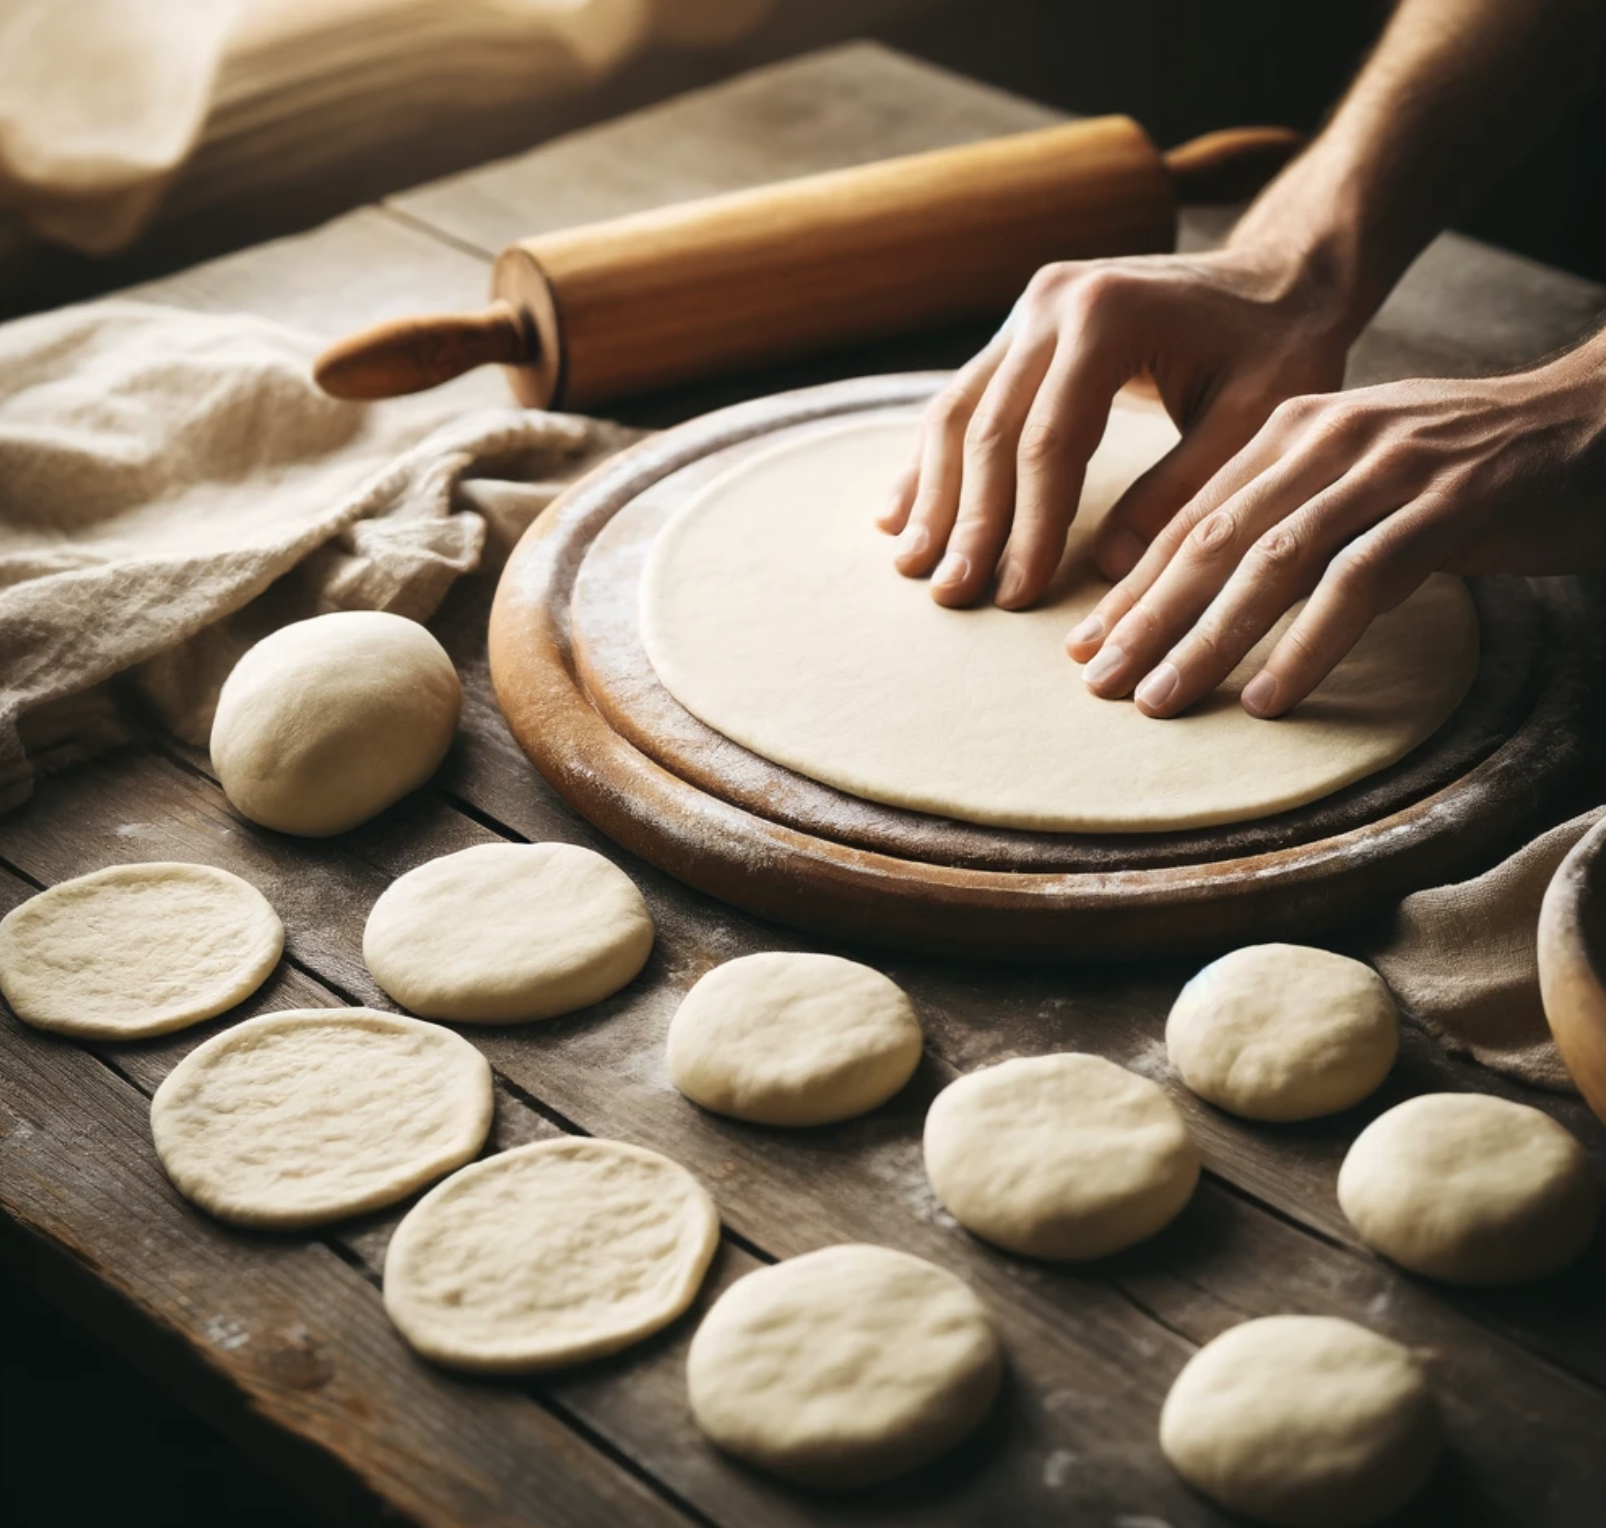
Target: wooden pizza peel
<point>581,698</point>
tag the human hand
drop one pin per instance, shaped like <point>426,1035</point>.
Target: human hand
<point>1003,449</point>
<point>1353,500</point>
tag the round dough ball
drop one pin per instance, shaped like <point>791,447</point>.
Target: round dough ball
<point>843,1367</point>
<point>298,1118</point>
<point>1065,1156</point>
<point>1470,1189</point>
<point>136,950</point>
<point>503,933</point>
<point>1303,1422</point>
<point>793,1039</point>
<point>549,1254</point>
<point>326,722</point>
<point>1283,1032</point>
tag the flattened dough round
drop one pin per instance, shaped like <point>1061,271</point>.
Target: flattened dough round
<point>503,933</point>
<point>843,1367</point>
<point>136,950</point>
<point>1066,1156</point>
<point>1303,1422</point>
<point>325,723</point>
<point>787,1038</point>
<point>771,610</point>
<point>297,1118</point>
<point>549,1254</point>
<point>1283,1032</point>
<point>1470,1189</point>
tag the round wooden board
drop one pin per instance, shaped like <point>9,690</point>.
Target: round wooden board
<point>584,703</point>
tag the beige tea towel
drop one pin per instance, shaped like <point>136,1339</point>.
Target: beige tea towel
<point>1464,961</point>
<point>173,486</point>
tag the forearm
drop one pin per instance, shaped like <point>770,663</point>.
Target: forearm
<point>1454,93</point>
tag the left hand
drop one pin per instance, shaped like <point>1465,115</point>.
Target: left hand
<point>1354,499</point>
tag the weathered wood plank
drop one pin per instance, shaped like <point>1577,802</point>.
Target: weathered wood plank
<point>299,1338</point>
<point>1073,1335</point>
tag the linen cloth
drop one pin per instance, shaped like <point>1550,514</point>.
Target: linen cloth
<point>1464,961</point>
<point>173,486</point>
<point>102,102</point>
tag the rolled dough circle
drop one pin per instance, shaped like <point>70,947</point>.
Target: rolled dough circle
<point>1283,1032</point>
<point>297,1118</point>
<point>770,610</point>
<point>504,933</point>
<point>843,1367</point>
<point>1066,1156</point>
<point>137,950</point>
<point>1303,1422</point>
<point>326,722</point>
<point>1470,1189</point>
<point>549,1254</point>
<point>785,1038</point>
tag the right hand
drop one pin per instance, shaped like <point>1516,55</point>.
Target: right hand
<point>1003,449</point>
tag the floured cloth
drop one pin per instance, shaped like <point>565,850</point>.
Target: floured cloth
<point>173,486</point>
<point>1464,961</point>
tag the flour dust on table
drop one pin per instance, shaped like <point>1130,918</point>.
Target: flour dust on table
<point>770,609</point>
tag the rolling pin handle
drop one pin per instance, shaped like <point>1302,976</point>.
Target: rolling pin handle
<point>408,355</point>
<point>1231,165</point>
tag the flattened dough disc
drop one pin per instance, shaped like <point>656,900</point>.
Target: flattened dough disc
<point>771,611</point>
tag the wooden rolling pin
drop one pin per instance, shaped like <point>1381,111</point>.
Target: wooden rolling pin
<point>588,315</point>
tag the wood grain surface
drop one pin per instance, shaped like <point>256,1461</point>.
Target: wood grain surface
<point>282,1339</point>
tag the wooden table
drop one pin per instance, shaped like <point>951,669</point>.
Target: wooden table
<point>282,1341</point>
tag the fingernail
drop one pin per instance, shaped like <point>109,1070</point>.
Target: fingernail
<point>1104,668</point>
<point>1091,630</point>
<point>1260,694</point>
<point>1009,586</point>
<point>1119,551</point>
<point>913,542</point>
<point>953,569</point>
<point>1159,687</point>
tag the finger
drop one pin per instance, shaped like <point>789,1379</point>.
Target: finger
<point>987,484</point>
<point>1061,433</point>
<point>942,441</point>
<point>1222,428</point>
<point>1197,573</point>
<point>1285,563</point>
<point>1374,573</point>
<point>895,516</point>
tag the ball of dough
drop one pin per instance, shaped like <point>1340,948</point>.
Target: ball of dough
<point>504,933</point>
<point>297,1118</point>
<point>843,1367</point>
<point>326,722</point>
<point>1283,1032</point>
<point>549,1254</point>
<point>137,950</point>
<point>1065,1156</point>
<point>1470,1189</point>
<point>793,1039</point>
<point>1303,1422</point>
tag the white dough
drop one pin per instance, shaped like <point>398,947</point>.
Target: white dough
<point>503,933</point>
<point>1066,1156</point>
<point>1470,1189</point>
<point>549,1254</point>
<point>326,722</point>
<point>1283,1032</point>
<point>1303,1422</point>
<point>136,950</point>
<point>793,1039</point>
<point>297,1118</point>
<point>771,610</point>
<point>843,1367</point>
